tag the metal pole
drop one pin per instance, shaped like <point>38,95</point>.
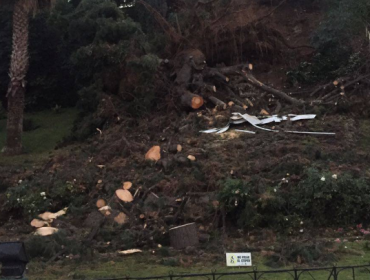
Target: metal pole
<point>295,274</point>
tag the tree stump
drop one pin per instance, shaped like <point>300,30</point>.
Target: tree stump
<point>184,236</point>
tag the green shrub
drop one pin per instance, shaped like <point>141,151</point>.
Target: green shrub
<point>344,22</point>
<point>321,198</point>
<point>30,199</point>
<point>46,247</point>
<point>327,200</point>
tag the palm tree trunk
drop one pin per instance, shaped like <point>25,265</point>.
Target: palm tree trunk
<point>18,71</point>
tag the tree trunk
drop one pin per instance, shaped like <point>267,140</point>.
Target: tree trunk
<point>18,71</point>
<point>184,236</point>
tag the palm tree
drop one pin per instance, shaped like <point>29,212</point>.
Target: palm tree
<point>22,11</point>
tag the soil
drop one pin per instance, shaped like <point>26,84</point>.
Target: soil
<point>117,154</point>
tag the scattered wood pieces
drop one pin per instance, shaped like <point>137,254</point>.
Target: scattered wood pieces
<point>121,218</point>
<point>105,210</point>
<point>45,231</point>
<point>127,185</point>
<point>191,100</point>
<point>154,153</point>
<point>38,223</point>
<point>47,216</point>
<point>252,80</point>
<point>175,148</point>
<point>184,236</point>
<point>264,112</point>
<point>124,195</point>
<point>100,203</point>
<point>220,105</point>
<point>192,158</point>
<point>129,252</point>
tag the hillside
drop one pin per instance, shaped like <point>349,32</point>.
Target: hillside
<point>163,75</point>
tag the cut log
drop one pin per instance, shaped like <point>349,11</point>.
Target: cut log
<point>121,218</point>
<point>124,195</point>
<point>100,203</point>
<point>237,108</point>
<point>167,28</point>
<point>252,80</point>
<point>184,236</point>
<point>220,105</point>
<point>175,148</point>
<point>191,100</point>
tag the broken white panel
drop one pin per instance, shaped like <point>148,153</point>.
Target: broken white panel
<point>245,131</point>
<point>271,120</point>
<point>212,130</point>
<point>267,129</point>
<point>217,130</point>
<point>251,119</point>
<point>302,117</point>
<point>235,118</point>
<point>309,132</point>
<point>239,121</point>
<point>224,129</point>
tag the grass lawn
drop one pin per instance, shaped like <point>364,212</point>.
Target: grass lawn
<point>147,265</point>
<point>39,143</point>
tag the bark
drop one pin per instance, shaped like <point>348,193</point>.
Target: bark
<point>167,28</point>
<point>220,105</point>
<point>252,80</point>
<point>18,71</point>
<point>184,236</point>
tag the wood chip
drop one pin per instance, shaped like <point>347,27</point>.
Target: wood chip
<point>264,112</point>
<point>121,218</point>
<point>127,185</point>
<point>105,210</point>
<point>129,252</point>
<point>124,195</point>
<point>179,148</point>
<point>45,231</point>
<point>38,223</point>
<point>47,216</point>
<point>100,203</point>
<point>154,153</point>
<point>192,158</point>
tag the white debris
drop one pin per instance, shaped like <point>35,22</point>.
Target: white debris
<point>238,118</point>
